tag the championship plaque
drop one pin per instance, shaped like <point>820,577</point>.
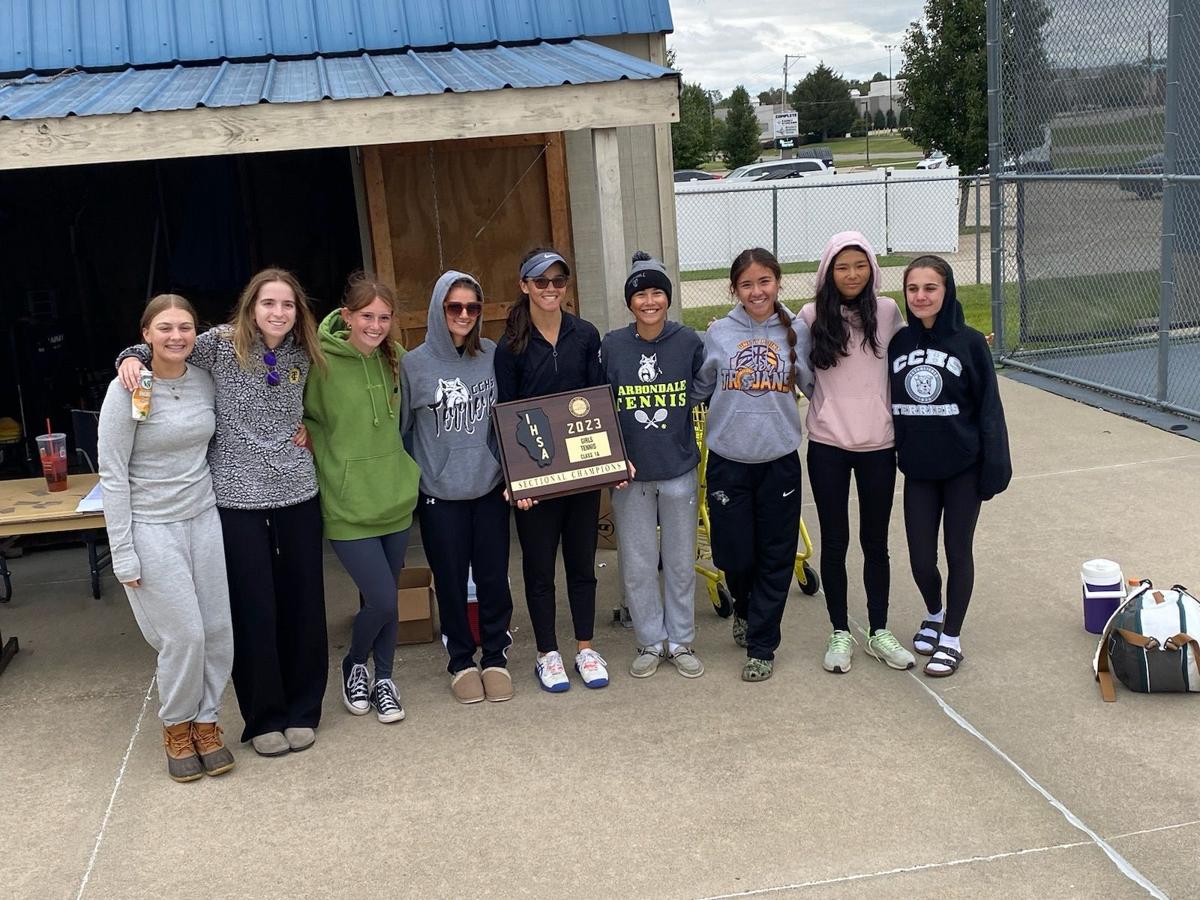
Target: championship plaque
<point>560,444</point>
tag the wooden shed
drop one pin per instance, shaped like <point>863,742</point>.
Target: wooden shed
<point>148,145</point>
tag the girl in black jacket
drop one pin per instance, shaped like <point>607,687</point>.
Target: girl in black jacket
<point>546,350</point>
<point>952,446</point>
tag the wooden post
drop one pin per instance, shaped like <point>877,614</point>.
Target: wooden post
<point>377,212</point>
<point>612,224</point>
<point>361,207</point>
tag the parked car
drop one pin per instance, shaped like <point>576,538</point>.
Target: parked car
<point>1144,190</point>
<point>683,175</point>
<point>784,168</point>
<point>935,160</point>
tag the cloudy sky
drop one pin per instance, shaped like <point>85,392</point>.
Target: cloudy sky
<point>721,44</point>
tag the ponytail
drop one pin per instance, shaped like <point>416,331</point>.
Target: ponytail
<point>785,318</point>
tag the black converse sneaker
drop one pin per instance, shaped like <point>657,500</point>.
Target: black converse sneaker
<point>356,689</point>
<point>386,701</point>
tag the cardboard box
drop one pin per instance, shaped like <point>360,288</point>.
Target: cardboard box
<point>414,602</point>
<point>606,528</point>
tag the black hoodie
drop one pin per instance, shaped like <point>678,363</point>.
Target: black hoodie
<point>946,402</point>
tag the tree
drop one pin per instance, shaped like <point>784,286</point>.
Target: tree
<point>946,89</point>
<point>860,128</point>
<point>879,121</point>
<point>822,100</point>
<point>719,130</point>
<point>691,136</point>
<point>945,67</point>
<point>770,97</point>
<point>903,119</point>
<point>742,131</point>
<point>890,118</point>
<point>670,57</point>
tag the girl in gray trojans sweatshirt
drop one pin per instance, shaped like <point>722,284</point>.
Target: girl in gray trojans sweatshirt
<point>448,387</point>
<point>756,361</point>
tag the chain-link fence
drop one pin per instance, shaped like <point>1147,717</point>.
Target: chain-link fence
<point>902,213</point>
<point>1095,115</point>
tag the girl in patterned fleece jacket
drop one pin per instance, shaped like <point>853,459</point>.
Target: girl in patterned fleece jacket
<point>266,491</point>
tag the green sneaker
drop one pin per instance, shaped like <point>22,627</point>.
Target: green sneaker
<point>740,627</point>
<point>838,651</point>
<point>883,646</point>
<point>758,669</point>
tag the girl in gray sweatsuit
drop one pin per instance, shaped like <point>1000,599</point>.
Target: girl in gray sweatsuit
<point>652,366</point>
<point>165,537</point>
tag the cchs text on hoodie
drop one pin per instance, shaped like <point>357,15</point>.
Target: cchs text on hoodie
<point>368,482</point>
<point>946,405</point>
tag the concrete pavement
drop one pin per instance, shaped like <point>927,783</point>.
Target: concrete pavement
<point>1010,779</point>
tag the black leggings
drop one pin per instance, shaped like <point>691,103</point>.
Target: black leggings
<point>952,503</point>
<point>375,564</point>
<point>874,471</point>
<point>573,520</point>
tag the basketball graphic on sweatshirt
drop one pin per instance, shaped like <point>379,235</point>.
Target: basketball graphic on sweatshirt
<point>756,368</point>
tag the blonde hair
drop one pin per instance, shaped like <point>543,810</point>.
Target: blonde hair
<point>362,290</point>
<point>162,302</point>
<point>245,331</point>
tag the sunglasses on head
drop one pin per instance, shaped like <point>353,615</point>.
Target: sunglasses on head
<point>270,361</point>
<point>472,309</point>
<point>542,282</point>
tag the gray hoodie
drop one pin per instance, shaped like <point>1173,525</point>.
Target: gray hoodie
<point>446,403</point>
<point>752,416</point>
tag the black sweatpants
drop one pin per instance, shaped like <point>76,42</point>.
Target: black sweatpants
<point>829,470</point>
<point>953,504</point>
<point>277,603</point>
<point>571,520</point>
<point>474,533</point>
<point>754,510</point>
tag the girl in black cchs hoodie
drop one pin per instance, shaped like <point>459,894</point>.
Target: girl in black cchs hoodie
<point>951,444</point>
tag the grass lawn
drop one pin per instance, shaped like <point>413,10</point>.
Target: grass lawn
<point>788,269</point>
<point>975,298</point>
<point>880,143</point>
<point>1077,309</point>
<point>1143,129</point>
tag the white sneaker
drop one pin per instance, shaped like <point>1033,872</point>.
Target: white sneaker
<point>551,673</point>
<point>591,668</point>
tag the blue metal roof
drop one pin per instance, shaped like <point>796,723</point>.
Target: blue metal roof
<point>51,35</point>
<point>322,78</point>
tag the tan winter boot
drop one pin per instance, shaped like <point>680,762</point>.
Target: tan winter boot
<point>214,755</point>
<point>182,762</point>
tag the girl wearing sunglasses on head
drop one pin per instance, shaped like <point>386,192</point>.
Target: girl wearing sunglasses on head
<point>368,480</point>
<point>448,386</point>
<point>266,492</point>
<point>546,350</point>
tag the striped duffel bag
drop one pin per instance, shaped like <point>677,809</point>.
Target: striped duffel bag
<point>1148,643</point>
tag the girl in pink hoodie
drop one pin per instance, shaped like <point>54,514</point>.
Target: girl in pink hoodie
<point>850,432</point>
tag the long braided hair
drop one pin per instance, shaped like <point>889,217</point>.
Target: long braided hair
<point>767,259</point>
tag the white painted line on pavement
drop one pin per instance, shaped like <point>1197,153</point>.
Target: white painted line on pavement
<point>758,892</point>
<point>1105,468</point>
<point>1123,865</point>
<point>137,726</point>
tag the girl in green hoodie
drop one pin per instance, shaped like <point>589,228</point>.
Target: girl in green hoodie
<point>368,481</point>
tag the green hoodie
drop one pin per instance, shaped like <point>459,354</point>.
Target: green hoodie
<point>352,411</point>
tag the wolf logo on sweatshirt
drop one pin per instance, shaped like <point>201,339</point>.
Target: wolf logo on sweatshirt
<point>648,368</point>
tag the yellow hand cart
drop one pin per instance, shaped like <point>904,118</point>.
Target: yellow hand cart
<point>714,581</point>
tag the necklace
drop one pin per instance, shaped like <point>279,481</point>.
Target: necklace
<point>173,384</point>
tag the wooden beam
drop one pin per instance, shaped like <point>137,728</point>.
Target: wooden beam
<point>377,213</point>
<point>612,223</point>
<point>361,209</point>
<point>75,140</point>
<point>560,203</point>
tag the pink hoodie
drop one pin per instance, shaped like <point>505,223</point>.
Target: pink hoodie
<point>850,405</point>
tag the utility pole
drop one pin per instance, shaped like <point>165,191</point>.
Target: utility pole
<point>890,48</point>
<point>787,58</point>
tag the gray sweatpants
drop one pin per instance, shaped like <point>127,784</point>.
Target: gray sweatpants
<point>639,511</point>
<point>182,607</point>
